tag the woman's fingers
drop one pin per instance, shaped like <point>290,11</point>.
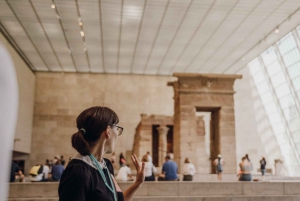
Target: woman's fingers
<point>134,160</point>
<point>143,166</point>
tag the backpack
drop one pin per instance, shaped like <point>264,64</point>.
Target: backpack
<point>219,166</point>
<point>36,170</point>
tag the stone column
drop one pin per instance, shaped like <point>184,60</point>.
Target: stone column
<point>162,149</point>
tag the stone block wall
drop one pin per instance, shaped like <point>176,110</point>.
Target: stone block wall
<point>196,92</point>
<point>60,97</point>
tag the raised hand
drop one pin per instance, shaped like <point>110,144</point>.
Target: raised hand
<point>140,167</point>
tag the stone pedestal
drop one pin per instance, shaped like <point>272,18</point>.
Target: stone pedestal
<point>162,149</point>
<point>208,93</point>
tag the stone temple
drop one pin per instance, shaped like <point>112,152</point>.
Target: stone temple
<point>195,78</point>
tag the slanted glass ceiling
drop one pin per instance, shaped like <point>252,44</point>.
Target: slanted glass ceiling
<point>276,91</point>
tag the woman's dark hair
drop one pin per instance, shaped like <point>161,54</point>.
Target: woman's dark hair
<point>91,123</point>
<point>186,160</point>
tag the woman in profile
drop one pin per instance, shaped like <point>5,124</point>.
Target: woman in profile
<point>87,178</point>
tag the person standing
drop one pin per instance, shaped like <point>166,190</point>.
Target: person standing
<point>188,170</point>
<point>263,164</point>
<point>87,177</point>
<point>219,162</point>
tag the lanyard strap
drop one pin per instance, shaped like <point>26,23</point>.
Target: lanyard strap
<point>111,188</point>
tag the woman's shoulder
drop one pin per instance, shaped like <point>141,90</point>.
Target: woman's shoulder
<point>77,170</point>
<point>78,165</point>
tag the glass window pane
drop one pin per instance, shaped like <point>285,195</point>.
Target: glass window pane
<point>266,97</point>
<point>278,128</point>
<point>296,83</point>
<point>274,117</point>
<point>286,43</point>
<point>294,70</point>
<point>268,56</point>
<point>282,90</point>
<point>271,107</point>
<point>296,136</point>
<point>278,79</point>
<point>290,113</point>
<point>263,87</point>
<point>259,77</point>
<point>286,101</point>
<point>274,68</point>
<point>254,66</point>
<point>294,124</point>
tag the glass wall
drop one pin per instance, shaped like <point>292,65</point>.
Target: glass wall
<point>276,92</point>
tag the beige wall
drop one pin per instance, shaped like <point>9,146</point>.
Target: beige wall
<point>26,85</point>
<point>60,97</point>
<point>247,137</point>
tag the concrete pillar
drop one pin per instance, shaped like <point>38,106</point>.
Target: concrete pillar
<point>162,148</point>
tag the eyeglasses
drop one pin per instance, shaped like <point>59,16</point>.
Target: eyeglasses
<point>120,130</point>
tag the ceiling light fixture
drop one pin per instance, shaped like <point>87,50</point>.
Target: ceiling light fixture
<point>53,6</point>
<point>276,30</point>
<point>82,33</point>
<point>80,23</point>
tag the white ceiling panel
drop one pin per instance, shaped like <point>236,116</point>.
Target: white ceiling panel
<point>111,25</point>
<point>153,18</point>
<point>177,10</point>
<point>132,21</point>
<point>156,37</point>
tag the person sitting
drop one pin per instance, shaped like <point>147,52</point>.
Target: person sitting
<point>169,170</point>
<point>245,173</point>
<point>149,169</point>
<point>57,171</point>
<point>39,177</point>
<point>124,174</point>
<point>188,170</point>
<point>16,172</point>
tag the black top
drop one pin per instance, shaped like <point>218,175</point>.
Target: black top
<point>263,164</point>
<point>81,182</point>
<point>14,168</point>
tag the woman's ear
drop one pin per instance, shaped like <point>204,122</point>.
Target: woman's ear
<point>107,132</point>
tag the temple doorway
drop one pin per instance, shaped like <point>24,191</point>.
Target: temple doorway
<point>155,143</point>
<point>212,134</point>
